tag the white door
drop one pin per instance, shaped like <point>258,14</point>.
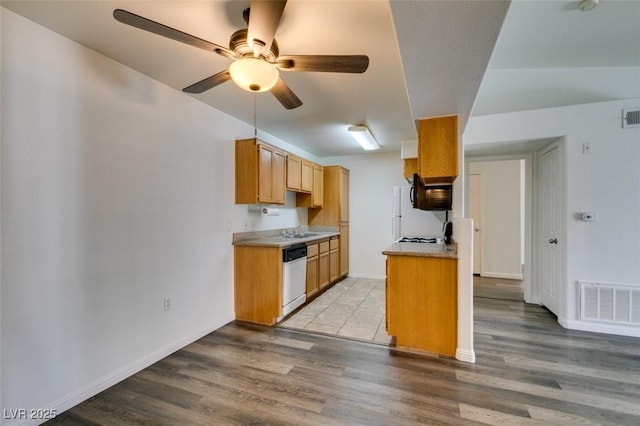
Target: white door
<point>550,192</point>
<point>475,213</point>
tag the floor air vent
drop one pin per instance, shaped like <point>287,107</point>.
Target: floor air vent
<point>610,303</point>
<point>630,118</point>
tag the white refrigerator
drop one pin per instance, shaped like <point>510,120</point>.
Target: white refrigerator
<point>409,222</point>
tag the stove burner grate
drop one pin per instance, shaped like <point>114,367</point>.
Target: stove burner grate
<point>429,240</point>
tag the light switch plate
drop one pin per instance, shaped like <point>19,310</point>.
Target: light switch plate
<point>588,216</point>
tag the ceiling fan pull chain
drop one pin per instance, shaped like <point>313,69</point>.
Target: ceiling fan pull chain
<point>255,120</point>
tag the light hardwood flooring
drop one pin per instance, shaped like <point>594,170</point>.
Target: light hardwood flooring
<point>529,370</point>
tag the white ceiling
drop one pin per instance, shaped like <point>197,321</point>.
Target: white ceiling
<point>427,58</point>
<point>551,54</point>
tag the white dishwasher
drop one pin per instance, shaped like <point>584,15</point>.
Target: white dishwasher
<point>294,278</point>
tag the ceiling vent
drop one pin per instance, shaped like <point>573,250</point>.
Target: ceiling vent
<point>630,118</point>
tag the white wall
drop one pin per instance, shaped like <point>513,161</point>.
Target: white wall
<point>606,182</point>
<point>502,225</point>
<point>117,192</point>
<point>371,181</point>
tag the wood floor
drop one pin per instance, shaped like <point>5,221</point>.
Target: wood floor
<point>529,370</point>
<point>498,288</point>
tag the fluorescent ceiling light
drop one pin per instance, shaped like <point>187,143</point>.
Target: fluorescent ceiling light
<point>364,137</point>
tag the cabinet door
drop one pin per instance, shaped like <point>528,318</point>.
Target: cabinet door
<point>265,173</point>
<point>312,276</point>
<point>294,173</point>
<point>278,177</point>
<point>334,265</point>
<point>306,184</point>
<point>410,168</point>
<point>419,319</point>
<point>318,186</point>
<point>344,195</point>
<point>438,149</point>
<point>344,249</point>
<point>323,270</point>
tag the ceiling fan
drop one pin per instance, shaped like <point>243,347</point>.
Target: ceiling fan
<point>255,53</point>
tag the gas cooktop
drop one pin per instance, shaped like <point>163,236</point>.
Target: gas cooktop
<point>429,240</point>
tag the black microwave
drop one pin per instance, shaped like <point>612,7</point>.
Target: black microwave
<point>431,197</point>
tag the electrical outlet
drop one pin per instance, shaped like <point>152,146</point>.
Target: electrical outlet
<point>586,148</point>
<point>167,304</point>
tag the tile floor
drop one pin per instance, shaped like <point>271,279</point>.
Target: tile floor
<point>352,308</point>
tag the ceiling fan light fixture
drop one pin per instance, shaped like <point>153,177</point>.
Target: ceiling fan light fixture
<point>587,5</point>
<point>364,137</point>
<point>253,74</point>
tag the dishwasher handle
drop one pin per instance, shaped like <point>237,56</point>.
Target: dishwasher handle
<point>294,252</point>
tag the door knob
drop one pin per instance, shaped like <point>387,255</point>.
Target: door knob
<point>553,241</point>
<point>476,229</point>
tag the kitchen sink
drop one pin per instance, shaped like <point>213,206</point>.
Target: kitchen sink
<point>302,235</point>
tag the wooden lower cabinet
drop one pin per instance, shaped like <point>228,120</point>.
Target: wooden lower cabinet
<point>344,249</point>
<point>312,270</point>
<point>422,300</point>
<point>334,259</point>
<point>258,284</point>
<point>323,265</point>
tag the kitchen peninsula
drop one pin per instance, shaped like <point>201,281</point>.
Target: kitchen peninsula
<point>421,296</point>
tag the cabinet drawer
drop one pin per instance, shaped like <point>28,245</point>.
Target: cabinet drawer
<point>334,243</point>
<point>324,247</point>
<point>312,250</point>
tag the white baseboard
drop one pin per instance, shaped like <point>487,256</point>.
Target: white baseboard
<point>620,330</point>
<point>105,382</point>
<point>502,275</point>
<point>368,276</point>
<point>465,355</point>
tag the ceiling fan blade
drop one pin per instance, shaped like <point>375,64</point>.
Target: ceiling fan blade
<point>324,63</point>
<point>209,82</point>
<point>157,28</point>
<point>285,95</point>
<point>264,17</point>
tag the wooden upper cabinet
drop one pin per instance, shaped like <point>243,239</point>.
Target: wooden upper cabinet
<point>317,194</point>
<point>315,197</point>
<point>294,173</point>
<point>260,173</point>
<point>344,195</point>
<point>278,178</point>
<point>438,149</point>
<point>410,168</point>
<point>335,210</point>
<point>306,180</point>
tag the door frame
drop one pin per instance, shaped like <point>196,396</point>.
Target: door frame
<point>562,227</point>
<point>530,216</point>
<point>480,224</point>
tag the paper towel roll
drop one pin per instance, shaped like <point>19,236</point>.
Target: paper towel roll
<point>270,212</point>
